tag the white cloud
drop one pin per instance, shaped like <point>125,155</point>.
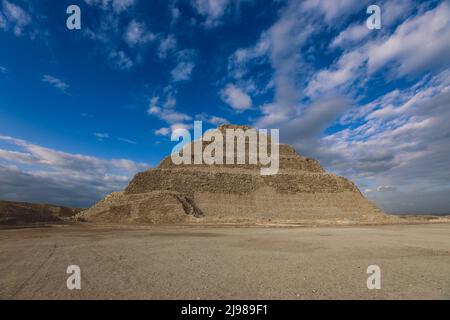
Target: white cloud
<point>381,189</point>
<point>185,60</point>
<point>118,6</point>
<point>287,37</point>
<point>351,35</point>
<point>168,115</point>
<point>212,10</point>
<point>18,157</point>
<point>163,107</point>
<point>217,120</point>
<point>176,126</point>
<point>333,10</point>
<point>127,141</point>
<point>403,52</point>
<point>3,22</point>
<point>406,46</point>
<point>106,28</point>
<point>214,120</point>
<point>36,173</point>
<point>175,12</point>
<point>344,72</point>
<point>167,112</point>
<point>101,136</point>
<point>121,5</point>
<point>14,17</point>
<point>393,11</point>
<point>166,45</point>
<point>3,69</point>
<point>399,140</point>
<point>121,60</point>
<point>182,71</point>
<point>171,101</point>
<point>236,98</point>
<point>55,82</point>
<point>137,34</point>
<point>162,132</point>
<point>239,62</point>
<point>397,144</point>
<point>284,45</point>
<point>116,31</point>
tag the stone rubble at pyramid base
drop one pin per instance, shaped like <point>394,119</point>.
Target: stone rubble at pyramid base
<point>260,207</point>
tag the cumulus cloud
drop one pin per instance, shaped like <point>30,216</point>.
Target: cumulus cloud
<point>175,12</point>
<point>212,10</point>
<point>351,35</point>
<point>406,49</point>
<point>333,10</point>
<point>117,6</point>
<point>394,11</point>
<point>214,120</point>
<point>115,36</point>
<point>163,106</point>
<point>168,115</point>
<point>236,98</point>
<point>182,71</point>
<point>342,75</point>
<point>239,61</point>
<point>166,45</point>
<point>165,110</point>
<point>121,60</point>
<point>402,142</point>
<point>393,145</point>
<point>281,46</point>
<point>2,21</point>
<point>162,131</point>
<point>282,43</point>
<point>137,34</point>
<point>185,66</point>
<point>403,51</point>
<point>14,17</point>
<point>168,131</point>
<point>35,173</point>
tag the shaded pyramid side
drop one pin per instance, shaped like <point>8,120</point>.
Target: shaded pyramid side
<point>157,207</point>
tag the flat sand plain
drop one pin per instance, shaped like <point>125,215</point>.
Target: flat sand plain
<point>176,262</point>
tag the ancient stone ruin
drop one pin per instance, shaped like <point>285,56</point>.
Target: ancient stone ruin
<point>301,192</point>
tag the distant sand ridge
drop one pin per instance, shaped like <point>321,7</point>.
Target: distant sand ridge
<point>21,213</point>
<point>301,192</point>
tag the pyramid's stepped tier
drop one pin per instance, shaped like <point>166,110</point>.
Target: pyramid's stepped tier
<point>234,181</point>
<point>266,205</point>
<point>301,192</point>
<point>288,159</point>
<point>237,195</point>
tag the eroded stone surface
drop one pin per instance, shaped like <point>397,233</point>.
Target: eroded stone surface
<point>301,191</point>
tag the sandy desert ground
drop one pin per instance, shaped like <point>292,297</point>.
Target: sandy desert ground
<point>226,263</point>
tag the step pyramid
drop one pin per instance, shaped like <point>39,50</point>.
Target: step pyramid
<point>301,192</point>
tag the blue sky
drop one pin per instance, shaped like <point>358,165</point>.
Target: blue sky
<point>81,111</point>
